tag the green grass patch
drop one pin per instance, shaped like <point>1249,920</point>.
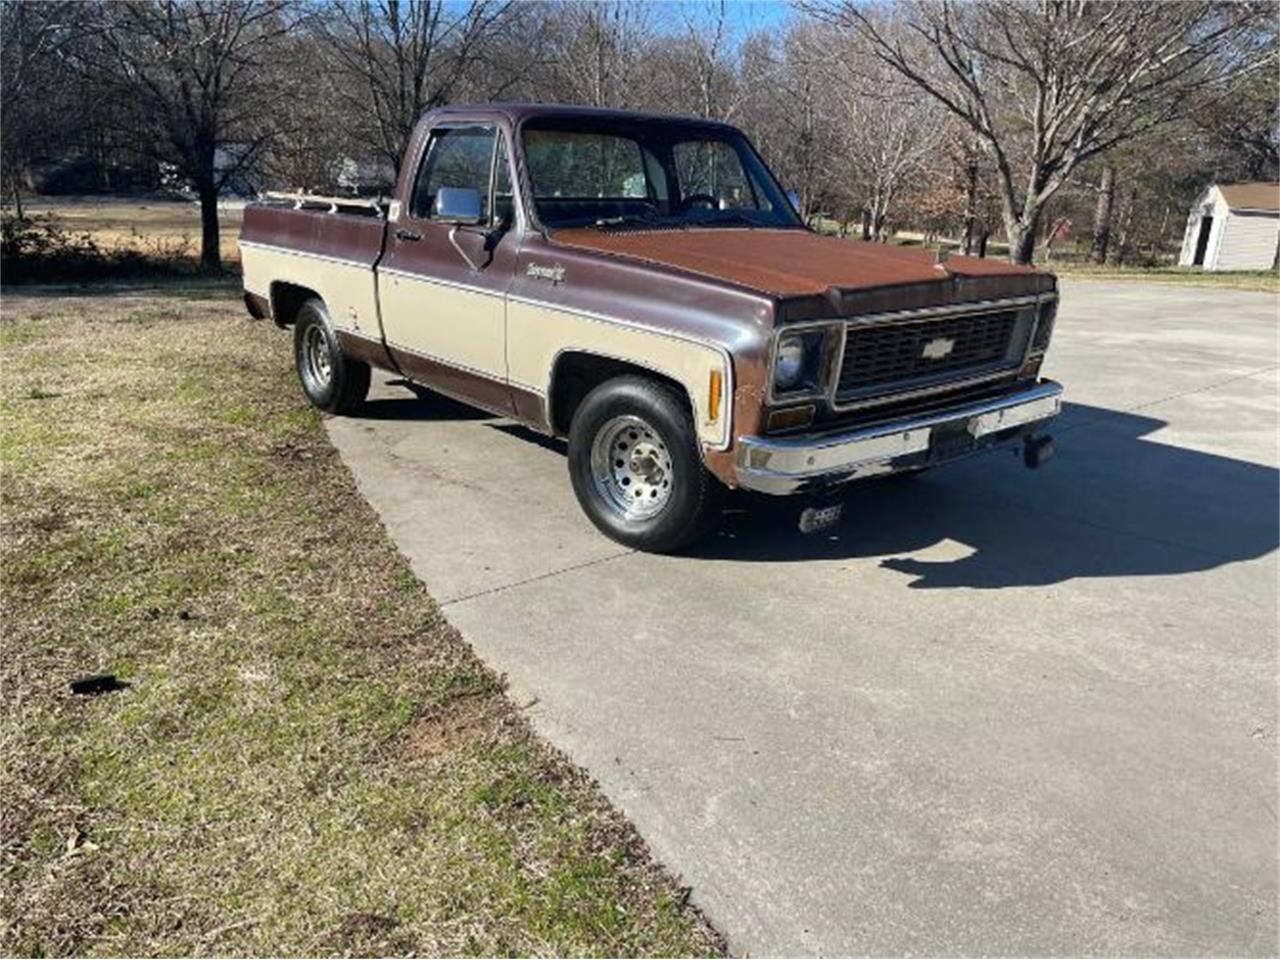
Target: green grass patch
<point>307,758</point>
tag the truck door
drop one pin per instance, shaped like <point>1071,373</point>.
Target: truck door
<point>441,286</point>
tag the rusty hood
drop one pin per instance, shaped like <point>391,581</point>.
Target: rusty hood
<point>790,263</point>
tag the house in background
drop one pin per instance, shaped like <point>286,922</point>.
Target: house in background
<point>1234,226</point>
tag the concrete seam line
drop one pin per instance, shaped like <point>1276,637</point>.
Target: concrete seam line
<point>542,576</point>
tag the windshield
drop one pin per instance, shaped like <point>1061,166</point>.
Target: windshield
<point>652,173</point>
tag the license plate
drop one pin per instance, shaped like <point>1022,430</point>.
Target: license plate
<point>950,440</point>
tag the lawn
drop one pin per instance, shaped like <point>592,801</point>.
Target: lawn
<point>154,226</point>
<point>1267,281</point>
<point>307,758</point>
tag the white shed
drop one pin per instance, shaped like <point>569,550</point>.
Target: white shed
<point>1234,226</point>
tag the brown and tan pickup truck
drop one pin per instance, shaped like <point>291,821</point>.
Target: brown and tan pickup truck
<point>642,286</point>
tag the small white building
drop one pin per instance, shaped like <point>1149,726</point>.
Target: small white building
<point>1234,226</point>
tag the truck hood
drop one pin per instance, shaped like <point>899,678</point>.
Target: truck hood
<point>786,263</point>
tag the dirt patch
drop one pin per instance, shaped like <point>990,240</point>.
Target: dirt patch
<point>461,722</point>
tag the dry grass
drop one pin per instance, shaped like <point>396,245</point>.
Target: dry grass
<point>1267,281</point>
<point>308,758</point>
<point>142,225</point>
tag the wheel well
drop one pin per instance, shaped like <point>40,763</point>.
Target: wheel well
<point>286,299</point>
<point>577,374</point>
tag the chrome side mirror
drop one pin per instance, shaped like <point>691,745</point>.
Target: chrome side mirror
<point>457,205</point>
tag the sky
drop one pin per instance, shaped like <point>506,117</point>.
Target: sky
<point>744,16</point>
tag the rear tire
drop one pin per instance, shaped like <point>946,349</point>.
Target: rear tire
<point>331,380</point>
<point>636,466</point>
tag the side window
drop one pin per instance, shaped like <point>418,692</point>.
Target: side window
<point>455,157</point>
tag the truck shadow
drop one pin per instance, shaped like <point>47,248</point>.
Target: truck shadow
<point>425,404</point>
<point>1111,503</point>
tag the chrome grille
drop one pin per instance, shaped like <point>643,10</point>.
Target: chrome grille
<point>903,354</point>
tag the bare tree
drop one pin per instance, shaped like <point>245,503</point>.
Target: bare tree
<point>885,136</point>
<point>1102,214</point>
<point>1242,120</point>
<point>406,56</point>
<point>706,40</point>
<point>33,37</point>
<point>319,130</point>
<point>195,73</point>
<point>595,53</point>
<point>1046,86</point>
<point>787,116</point>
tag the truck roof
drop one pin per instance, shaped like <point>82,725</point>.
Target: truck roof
<point>516,112</point>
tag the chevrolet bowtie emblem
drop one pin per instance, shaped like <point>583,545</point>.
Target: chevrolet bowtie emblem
<point>938,348</point>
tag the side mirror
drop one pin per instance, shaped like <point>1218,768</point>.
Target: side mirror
<point>457,205</point>
<point>794,199</point>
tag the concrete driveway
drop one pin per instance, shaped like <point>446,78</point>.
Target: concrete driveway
<point>996,712</point>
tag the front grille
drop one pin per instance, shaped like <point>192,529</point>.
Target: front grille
<point>900,355</point>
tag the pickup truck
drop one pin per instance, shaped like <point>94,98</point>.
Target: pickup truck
<point>642,286</point>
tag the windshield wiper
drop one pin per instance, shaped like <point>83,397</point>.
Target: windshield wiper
<point>648,219</point>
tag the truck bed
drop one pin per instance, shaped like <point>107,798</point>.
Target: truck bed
<point>320,244</point>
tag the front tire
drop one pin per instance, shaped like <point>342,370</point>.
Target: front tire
<point>331,380</point>
<point>636,467</point>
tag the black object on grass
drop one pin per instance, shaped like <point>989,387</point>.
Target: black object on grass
<point>100,683</point>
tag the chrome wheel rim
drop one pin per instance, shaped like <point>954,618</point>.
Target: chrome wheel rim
<point>631,467</point>
<point>316,359</point>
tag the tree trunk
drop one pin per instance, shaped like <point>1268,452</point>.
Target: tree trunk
<point>970,206</point>
<point>210,252</point>
<point>17,195</point>
<point>1022,242</point>
<point>983,235</point>
<point>866,223</point>
<point>1102,215</point>
<point>1126,220</point>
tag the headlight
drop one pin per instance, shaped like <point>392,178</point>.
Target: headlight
<point>797,363</point>
<point>789,363</point>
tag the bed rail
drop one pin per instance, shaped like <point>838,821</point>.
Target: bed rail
<point>368,206</point>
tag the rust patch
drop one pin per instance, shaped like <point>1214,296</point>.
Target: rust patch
<point>785,263</point>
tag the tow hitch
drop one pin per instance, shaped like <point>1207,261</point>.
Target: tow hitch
<point>1037,451</point>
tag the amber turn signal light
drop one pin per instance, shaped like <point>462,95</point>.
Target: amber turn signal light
<point>791,418</point>
<point>714,389</point>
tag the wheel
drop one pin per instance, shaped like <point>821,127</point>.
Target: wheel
<point>331,380</point>
<point>636,466</point>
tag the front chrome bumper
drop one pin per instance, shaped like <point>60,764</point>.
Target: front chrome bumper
<point>793,464</point>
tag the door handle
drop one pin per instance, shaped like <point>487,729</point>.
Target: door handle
<point>403,234</point>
